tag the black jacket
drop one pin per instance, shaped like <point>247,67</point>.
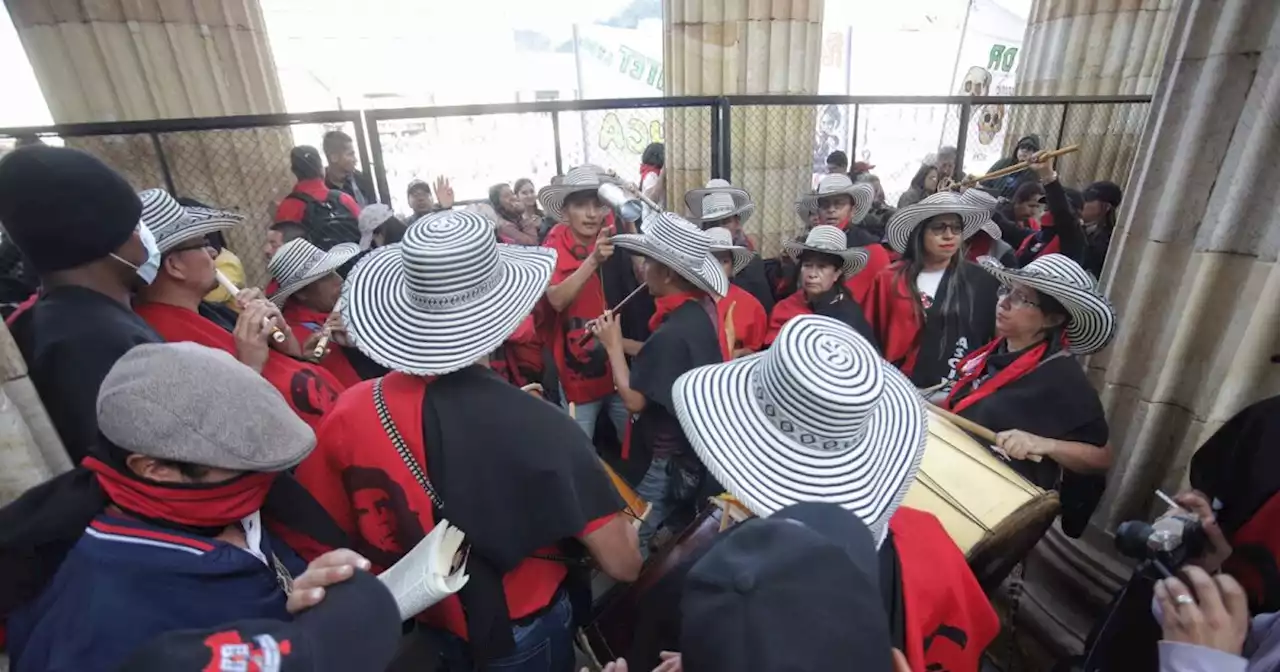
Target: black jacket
<point>359,186</point>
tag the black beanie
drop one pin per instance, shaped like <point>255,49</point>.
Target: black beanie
<point>64,208</point>
<point>305,162</point>
<point>1107,192</point>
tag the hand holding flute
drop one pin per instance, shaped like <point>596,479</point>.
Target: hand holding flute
<point>276,334</point>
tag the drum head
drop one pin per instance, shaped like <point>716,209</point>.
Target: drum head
<point>1009,542</point>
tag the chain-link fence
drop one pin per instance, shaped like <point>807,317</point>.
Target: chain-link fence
<point>476,147</point>
<point>240,164</point>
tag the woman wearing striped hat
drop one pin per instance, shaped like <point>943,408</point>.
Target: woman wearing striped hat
<point>932,308</point>
<point>825,266</point>
<point>1027,386</point>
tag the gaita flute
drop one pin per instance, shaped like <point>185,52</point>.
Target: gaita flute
<point>276,335</point>
<point>322,345</point>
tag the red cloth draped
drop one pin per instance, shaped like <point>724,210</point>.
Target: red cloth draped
<point>860,284</point>
<point>890,309</point>
<point>750,322</point>
<point>972,367</point>
<point>305,322</point>
<point>519,359</point>
<point>949,619</point>
<point>792,306</point>
<point>584,370</point>
<point>310,390</point>
<point>978,246</point>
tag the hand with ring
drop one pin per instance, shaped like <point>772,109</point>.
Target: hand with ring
<point>1208,611</point>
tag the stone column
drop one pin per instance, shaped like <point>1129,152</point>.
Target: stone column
<point>1193,274</point>
<point>740,47</point>
<point>1091,48</point>
<point>129,60</point>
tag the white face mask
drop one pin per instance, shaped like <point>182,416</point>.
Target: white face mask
<point>151,267</point>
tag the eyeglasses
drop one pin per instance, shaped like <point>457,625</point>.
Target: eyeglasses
<point>198,244</point>
<point>940,227</point>
<point>1015,298</point>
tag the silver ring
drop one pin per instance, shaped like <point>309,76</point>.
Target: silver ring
<point>1184,599</point>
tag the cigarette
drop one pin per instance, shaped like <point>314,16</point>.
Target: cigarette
<point>1169,500</point>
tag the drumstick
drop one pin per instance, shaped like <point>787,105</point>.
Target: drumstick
<point>1023,165</point>
<point>974,428</point>
<point>586,338</point>
<point>276,335</point>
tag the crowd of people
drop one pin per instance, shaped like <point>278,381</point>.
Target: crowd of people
<point>243,458</point>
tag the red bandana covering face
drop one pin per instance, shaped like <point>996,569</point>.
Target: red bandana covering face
<point>310,390</point>
<point>584,369</point>
<point>974,366</point>
<point>211,506</point>
<point>305,321</point>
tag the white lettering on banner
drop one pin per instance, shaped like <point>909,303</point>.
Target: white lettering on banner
<point>962,349</point>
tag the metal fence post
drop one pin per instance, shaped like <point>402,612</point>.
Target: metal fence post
<point>720,139</point>
<point>164,164</point>
<point>375,150</point>
<point>555,137</point>
<point>362,147</point>
<point>853,135</point>
<point>966,114</point>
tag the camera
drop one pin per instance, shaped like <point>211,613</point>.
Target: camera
<point>1165,545</point>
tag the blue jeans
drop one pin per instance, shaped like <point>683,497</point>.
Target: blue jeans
<point>653,488</point>
<point>543,645</point>
<point>586,414</point>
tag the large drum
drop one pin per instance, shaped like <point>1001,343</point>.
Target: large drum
<point>992,513</point>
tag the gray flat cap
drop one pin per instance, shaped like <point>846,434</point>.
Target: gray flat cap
<point>188,403</point>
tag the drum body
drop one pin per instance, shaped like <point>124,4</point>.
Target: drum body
<point>992,513</point>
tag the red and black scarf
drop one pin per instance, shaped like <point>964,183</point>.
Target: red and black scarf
<point>971,388</point>
<point>310,390</point>
<point>305,321</point>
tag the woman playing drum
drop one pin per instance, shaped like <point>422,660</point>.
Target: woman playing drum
<point>1027,386</point>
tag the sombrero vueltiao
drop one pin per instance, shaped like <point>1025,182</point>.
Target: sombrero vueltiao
<point>173,223</point>
<point>578,179</point>
<point>833,185</point>
<point>1093,320</point>
<point>826,239</point>
<point>722,241</point>
<point>718,200</point>
<point>444,297</point>
<point>904,222</point>
<point>979,198</point>
<point>676,243</point>
<point>299,263</point>
<point>818,417</point>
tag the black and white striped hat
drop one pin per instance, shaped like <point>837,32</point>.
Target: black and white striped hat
<point>173,223</point>
<point>578,179</point>
<point>674,242</point>
<point>298,263</point>
<point>722,241</point>
<point>863,195</point>
<point>1093,320</point>
<point>904,222</point>
<point>984,200</point>
<point>445,296</point>
<point>829,240</point>
<point>818,417</point>
<point>718,200</point>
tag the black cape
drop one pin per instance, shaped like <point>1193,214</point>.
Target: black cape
<point>946,339</point>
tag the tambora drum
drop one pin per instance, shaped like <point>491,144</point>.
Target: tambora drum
<point>992,513</point>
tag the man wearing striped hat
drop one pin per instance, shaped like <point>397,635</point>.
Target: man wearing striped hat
<point>173,305</point>
<point>722,205</point>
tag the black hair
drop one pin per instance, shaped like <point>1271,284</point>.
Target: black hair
<point>495,195</point>
<point>392,230</point>
<point>654,155</point>
<point>838,158</point>
<point>922,174</point>
<point>954,286</point>
<point>1028,191</point>
<point>520,184</point>
<point>334,142</point>
<point>194,472</point>
<point>289,230</point>
<point>580,197</point>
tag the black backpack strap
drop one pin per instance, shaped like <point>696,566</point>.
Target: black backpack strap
<point>306,198</point>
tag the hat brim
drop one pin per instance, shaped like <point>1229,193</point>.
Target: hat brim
<point>552,196</point>
<point>855,258</point>
<point>767,470</point>
<point>392,330</point>
<point>332,261</point>
<point>991,228</point>
<point>709,276</point>
<point>904,222</point>
<point>205,222</point>
<point>741,256</point>
<point>742,205</point>
<point>861,193</point>
<point>1093,320</point>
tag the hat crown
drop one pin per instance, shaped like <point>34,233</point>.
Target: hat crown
<point>826,237</point>
<point>718,203</point>
<point>833,183</point>
<point>979,198</point>
<point>719,236</point>
<point>581,176</point>
<point>819,383</point>
<point>294,260</point>
<point>450,259</point>
<point>688,244</point>
<point>162,213</point>
<point>1063,269</point>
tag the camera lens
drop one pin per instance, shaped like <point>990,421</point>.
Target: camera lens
<point>1131,538</point>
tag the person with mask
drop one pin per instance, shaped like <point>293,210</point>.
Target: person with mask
<point>172,305</point>
<point>76,222</point>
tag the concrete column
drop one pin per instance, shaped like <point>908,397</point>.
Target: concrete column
<point>740,47</point>
<point>1193,274</point>
<point>128,60</point>
<point>1092,48</point>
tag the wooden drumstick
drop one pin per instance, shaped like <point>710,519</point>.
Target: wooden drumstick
<point>276,335</point>
<point>1023,165</point>
<point>974,428</point>
<point>586,338</point>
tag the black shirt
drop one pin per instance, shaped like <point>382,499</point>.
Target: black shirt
<point>71,338</point>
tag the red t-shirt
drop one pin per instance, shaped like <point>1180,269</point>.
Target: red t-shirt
<point>750,322</point>
<point>584,370</point>
<point>360,479</point>
<point>305,322</point>
<point>292,209</point>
